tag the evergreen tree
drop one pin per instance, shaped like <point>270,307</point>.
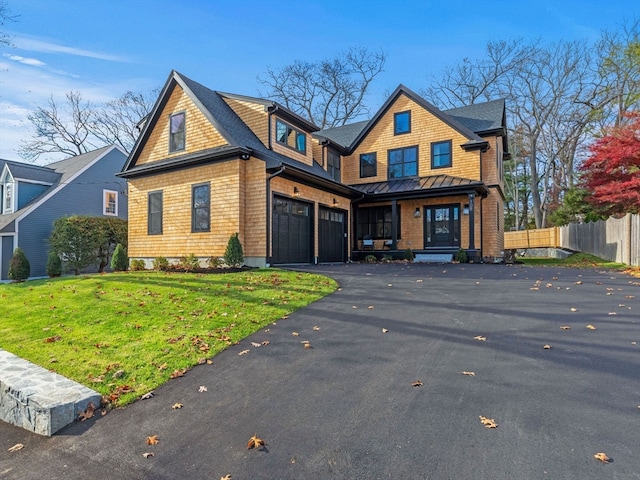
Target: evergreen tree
<point>233,255</point>
<point>19,267</point>
<point>54,265</point>
<point>119,260</point>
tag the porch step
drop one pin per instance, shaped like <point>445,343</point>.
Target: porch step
<point>433,258</point>
<point>38,400</point>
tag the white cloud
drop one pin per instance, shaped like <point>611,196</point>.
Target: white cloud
<point>27,61</point>
<point>35,45</point>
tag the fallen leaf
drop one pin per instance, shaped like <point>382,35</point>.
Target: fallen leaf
<point>371,307</point>
<point>266,342</point>
<point>177,405</point>
<point>591,327</point>
<point>565,327</point>
<point>573,309</point>
<point>418,281</point>
<point>147,396</point>
<point>295,334</point>
<point>547,347</point>
<point>417,383</point>
<point>226,477</point>
<point>384,330</point>
<point>16,447</point>
<point>488,422</point>
<point>147,455</point>
<point>178,373</point>
<point>602,457</point>
<point>579,282</point>
<point>153,440</point>
<point>480,338</point>
<point>354,307</point>
<point>612,313</point>
<point>88,413</point>
<point>256,442</point>
<point>255,344</point>
<point>53,339</point>
<point>202,389</point>
<point>243,352</point>
<point>316,328</point>
<point>471,374</point>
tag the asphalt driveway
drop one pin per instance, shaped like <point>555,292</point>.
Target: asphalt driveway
<point>346,407</point>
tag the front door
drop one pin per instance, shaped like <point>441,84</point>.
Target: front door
<point>332,235</point>
<point>442,226</point>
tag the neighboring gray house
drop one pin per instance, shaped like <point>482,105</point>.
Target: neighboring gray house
<point>32,197</point>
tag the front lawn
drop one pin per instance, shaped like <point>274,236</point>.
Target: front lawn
<point>124,334</point>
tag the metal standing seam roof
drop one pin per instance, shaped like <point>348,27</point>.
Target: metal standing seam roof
<point>419,185</point>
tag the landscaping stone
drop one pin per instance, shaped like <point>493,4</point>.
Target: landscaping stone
<point>38,400</point>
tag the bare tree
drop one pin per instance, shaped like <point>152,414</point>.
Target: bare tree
<point>327,93</point>
<point>5,16</point>
<point>78,127</point>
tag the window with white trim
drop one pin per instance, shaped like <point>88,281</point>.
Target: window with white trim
<point>110,202</point>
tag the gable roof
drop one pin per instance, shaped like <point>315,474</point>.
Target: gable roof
<point>66,170</point>
<point>471,121</point>
<point>28,172</point>
<point>239,137</point>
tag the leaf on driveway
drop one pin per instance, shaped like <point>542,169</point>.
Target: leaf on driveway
<point>574,309</point>
<point>88,413</point>
<point>147,396</point>
<point>16,447</point>
<point>295,334</point>
<point>417,383</point>
<point>202,389</point>
<point>384,330</point>
<point>226,477</point>
<point>177,406</point>
<point>565,327</point>
<point>547,347</point>
<point>256,442</point>
<point>265,343</point>
<point>243,352</point>
<point>480,338</point>
<point>256,344</point>
<point>488,422</point>
<point>591,327</point>
<point>153,440</point>
<point>316,328</point>
<point>371,307</point>
<point>470,374</point>
<point>147,454</point>
<point>602,457</point>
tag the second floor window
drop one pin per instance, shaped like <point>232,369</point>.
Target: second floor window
<point>176,132</point>
<point>109,202</point>
<point>441,154</point>
<point>403,162</point>
<point>291,137</point>
<point>401,123</point>
<point>333,165</point>
<point>368,165</point>
<point>201,208</point>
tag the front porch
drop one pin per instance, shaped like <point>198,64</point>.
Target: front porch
<point>426,255</point>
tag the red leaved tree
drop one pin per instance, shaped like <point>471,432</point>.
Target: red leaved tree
<point>611,174</point>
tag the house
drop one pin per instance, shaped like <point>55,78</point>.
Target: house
<point>33,197</point>
<point>208,164</point>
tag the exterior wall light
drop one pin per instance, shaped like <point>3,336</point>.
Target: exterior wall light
<point>416,214</point>
<point>296,192</point>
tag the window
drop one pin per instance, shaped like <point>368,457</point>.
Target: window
<point>7,202</point>
<point>442,226</point>
<point>401,123</point>
<point>154,219</point>
<point>109,202</point>
<point>441,154</point>
<point>368,165</point>
<point>176,132</point>
<point>403,162</point>
<point>201,208</point>
<point>289,136</point>
<point>333,165</point>
<point>376,222</point>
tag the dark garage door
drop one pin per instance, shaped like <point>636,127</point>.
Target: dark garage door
<point>331,235</point>
<point>292,232</point>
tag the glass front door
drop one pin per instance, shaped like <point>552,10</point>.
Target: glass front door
<point>442,226</point>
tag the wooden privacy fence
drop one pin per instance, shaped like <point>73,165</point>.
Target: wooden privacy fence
<point>616,239</point>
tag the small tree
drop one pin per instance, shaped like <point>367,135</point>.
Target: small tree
<point>119,260</point>
<point>19,267</point>
<point>233,255</point>
<point>54,265</point>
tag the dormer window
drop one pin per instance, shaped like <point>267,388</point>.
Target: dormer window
<point>402,123</point>
<point>7,190</point>
<point>291,137</point>
<point>176,132</point>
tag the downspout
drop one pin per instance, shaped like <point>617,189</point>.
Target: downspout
<point>267,256</point>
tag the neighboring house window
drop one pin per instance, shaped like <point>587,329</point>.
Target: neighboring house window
<point>368,165</point>
<point>441,154</point>
<point>376,222</point>
<point>333,165</point>
<point>401,123</point>
<point>109,202</point>
<point>403,162</point>
<point>7,200</point>
<point>289,136</point>
<point>176,132</point>
<point>201,208</point>
<point>154,226</point>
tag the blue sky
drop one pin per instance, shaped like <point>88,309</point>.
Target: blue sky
<point>104,48</point>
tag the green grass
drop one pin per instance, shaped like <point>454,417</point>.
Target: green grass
<point>576,260</point>
<point>124,334</point>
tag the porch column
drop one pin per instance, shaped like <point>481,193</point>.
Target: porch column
<point>472,240</point>
<point>394,225</point>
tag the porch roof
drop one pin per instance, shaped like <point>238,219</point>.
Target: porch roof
<point>420,187</point>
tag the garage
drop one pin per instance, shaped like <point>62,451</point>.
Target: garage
<point>332,235</point>
<point>292,231</point>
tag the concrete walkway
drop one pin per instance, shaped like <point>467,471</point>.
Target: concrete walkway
<point>346,408</point>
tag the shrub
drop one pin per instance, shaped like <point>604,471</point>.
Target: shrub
<point>138,264</point>
<point>19,267</point>
<point>408,255</point>
<point>461,256</point>
<point>214,262</point>
<point>119,260</point>
<point>370,259</point>
<point>54,265</point>
<point>189,263</point>
<point>233,255</point>
<point>387,258</point>
<point>161,264</point>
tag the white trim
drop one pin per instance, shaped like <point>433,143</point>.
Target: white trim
<point>105,203</point>
<point>33,182</point>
